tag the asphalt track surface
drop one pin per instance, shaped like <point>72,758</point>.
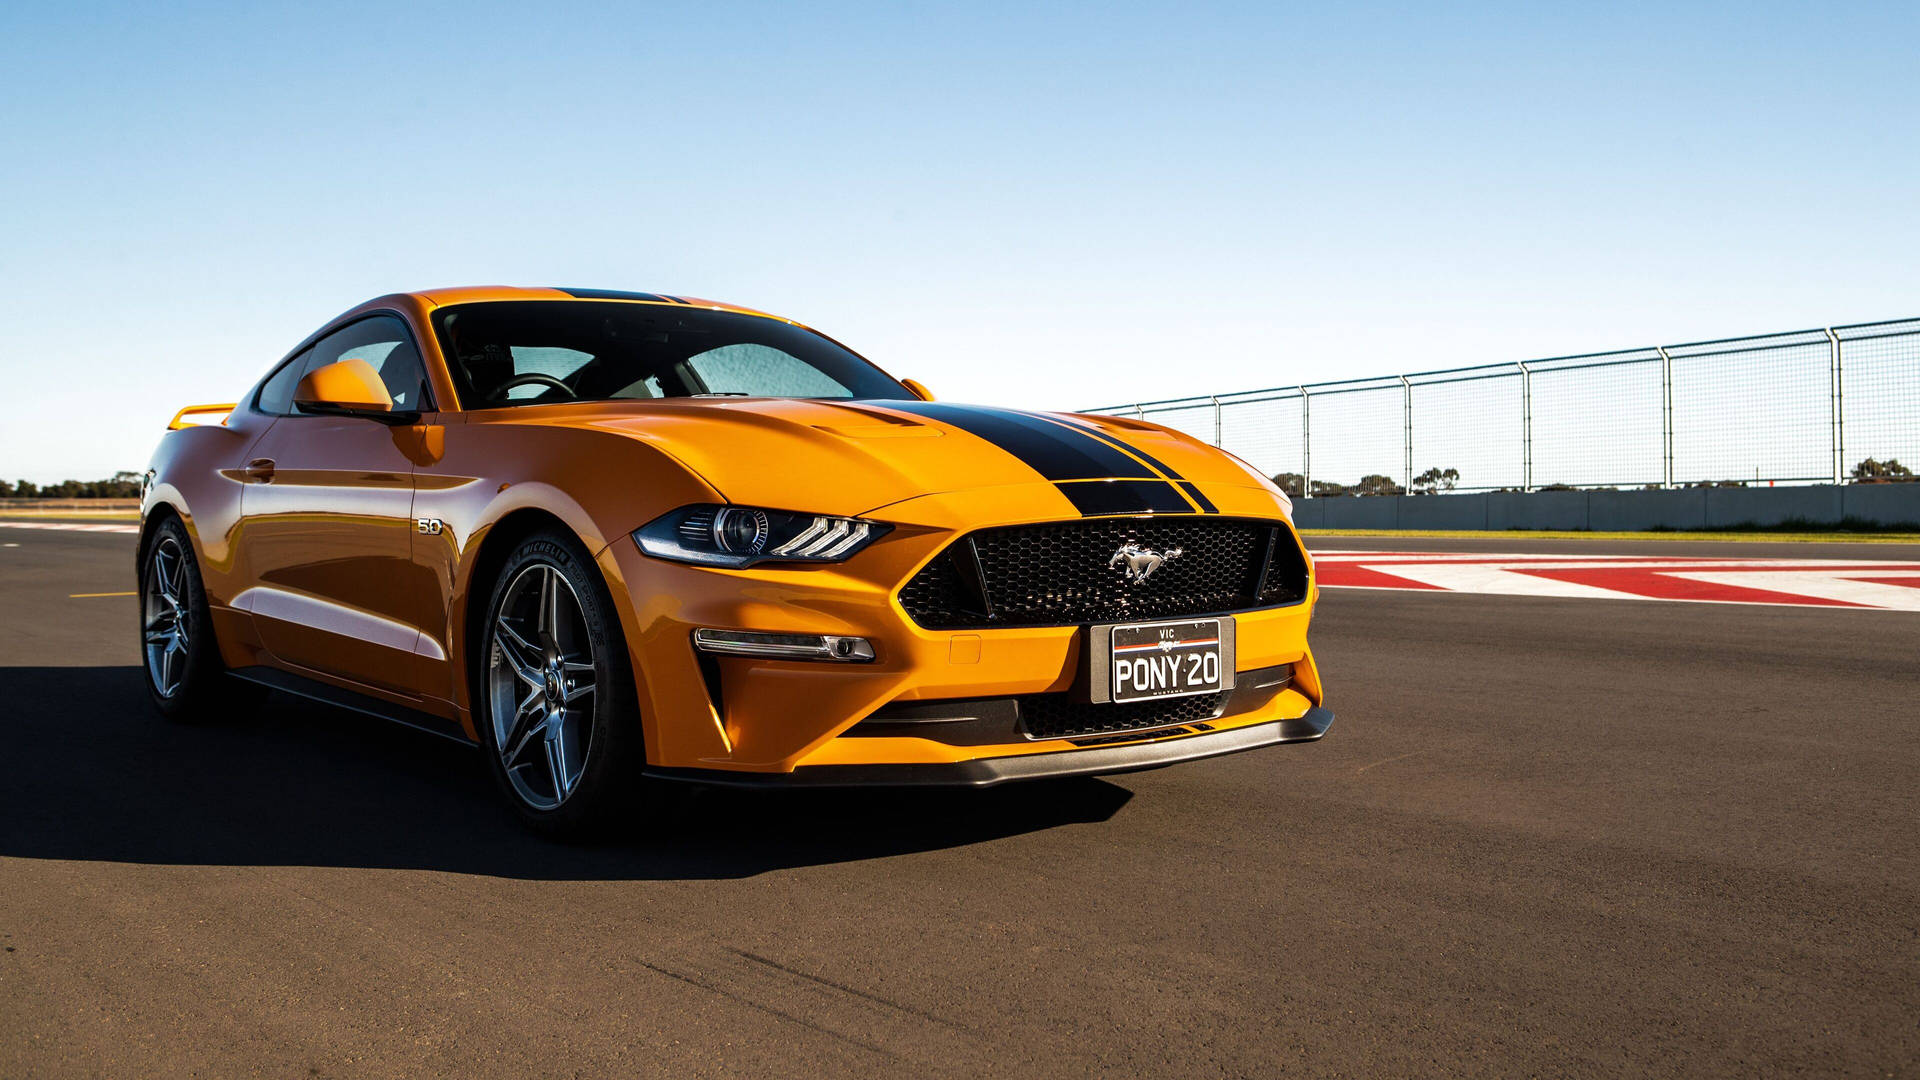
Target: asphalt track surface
<point>1545,837</point>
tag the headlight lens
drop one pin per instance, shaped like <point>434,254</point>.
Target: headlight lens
<point>736,536</point>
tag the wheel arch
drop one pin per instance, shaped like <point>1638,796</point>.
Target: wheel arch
<point>496,543</point>
<point>494,547</point>
<point>159,514</point>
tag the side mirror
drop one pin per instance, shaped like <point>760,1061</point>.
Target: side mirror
<point>922,392</point>
<point>349,388</point>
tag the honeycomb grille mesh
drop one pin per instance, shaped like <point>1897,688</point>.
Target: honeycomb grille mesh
<point>1059,716</point>
<point>1061,574</point>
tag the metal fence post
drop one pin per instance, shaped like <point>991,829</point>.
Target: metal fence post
<point>1526,425</point>
<point>1139,412</point>
<point>1306,446</point>
<point>1666,417</point>
<point>1836,404</point>
<point>1216,420</point>
<point>1406,388</point>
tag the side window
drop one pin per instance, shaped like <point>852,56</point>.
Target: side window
<point>382,341</point>
<point>762,371</point>
<point>276,394</point>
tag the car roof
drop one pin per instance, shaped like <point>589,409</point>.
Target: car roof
<point>469,294</point>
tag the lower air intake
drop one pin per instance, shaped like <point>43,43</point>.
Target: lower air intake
<point>1059,716</point>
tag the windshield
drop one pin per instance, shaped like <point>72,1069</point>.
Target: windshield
<point>540,352</point>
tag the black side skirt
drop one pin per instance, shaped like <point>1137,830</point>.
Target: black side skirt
<point>313,690</point>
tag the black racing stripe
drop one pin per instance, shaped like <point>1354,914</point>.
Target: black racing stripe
<point>612,294</point>
<point>1193,492</point>
<point>1095,498</point>
<point>1200,502</point>
<point>1055,451</point>
<point>1165,469</point>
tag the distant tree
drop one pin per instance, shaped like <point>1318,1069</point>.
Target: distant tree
<point>1375,484</point>
<point>1716,484</point>
<point>124,485</point>
<point>1889,471</point>
<point>1436,480</point>
<point>1323,489</point>
<point>1292,483</point>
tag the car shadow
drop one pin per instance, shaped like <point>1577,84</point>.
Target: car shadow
<point>95,774</point>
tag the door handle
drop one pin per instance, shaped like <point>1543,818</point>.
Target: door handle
<point>260,469</point>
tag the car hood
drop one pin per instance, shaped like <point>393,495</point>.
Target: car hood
<point>856,457</point>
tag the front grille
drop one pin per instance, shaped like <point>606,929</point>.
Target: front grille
<point>1061,574</point>
<point>1059,716</point>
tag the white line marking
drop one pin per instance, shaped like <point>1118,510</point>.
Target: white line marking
<point>1637,562</point>
<point>70,526</point>
<point>1497,580</point>
<point>1826,586</point>
<point>1623,596</point>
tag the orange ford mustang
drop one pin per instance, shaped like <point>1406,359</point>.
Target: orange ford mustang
<point>617,538</point>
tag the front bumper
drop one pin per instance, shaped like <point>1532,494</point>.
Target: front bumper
<point>986,772</point>
<point>750,719</point>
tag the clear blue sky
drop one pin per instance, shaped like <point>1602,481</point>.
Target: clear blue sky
<point>1041,205</point>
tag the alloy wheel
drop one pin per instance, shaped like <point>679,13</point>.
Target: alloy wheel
<point>540,686</point>
<point>164,623</point>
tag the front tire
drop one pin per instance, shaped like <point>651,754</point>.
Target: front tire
<point>552,693</point>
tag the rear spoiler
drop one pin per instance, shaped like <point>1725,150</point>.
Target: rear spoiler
<point>181,418</point>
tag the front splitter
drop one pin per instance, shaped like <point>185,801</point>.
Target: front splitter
<point>986,772</point>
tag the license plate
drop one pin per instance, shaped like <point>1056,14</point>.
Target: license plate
<point>1138,661</point>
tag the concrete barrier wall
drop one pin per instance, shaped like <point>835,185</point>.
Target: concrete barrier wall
<point>1618,511</point>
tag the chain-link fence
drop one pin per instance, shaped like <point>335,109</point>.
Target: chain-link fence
<point>1814,406</point>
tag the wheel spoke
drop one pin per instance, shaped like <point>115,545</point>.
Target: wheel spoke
<point>518,759</point>
<point>556,747</point>
<point>522,656</point>
<point>549,620</point>
<point>163,579</point>
<point>178,586</point>
<point>527,722</point>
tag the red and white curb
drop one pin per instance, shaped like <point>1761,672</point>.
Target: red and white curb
<point>1849,583</point>
<point>71,526</point>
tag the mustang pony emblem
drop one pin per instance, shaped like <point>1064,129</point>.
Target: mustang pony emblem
<point>1139,563</point>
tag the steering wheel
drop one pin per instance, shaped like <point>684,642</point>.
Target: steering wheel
<point>528,378</point>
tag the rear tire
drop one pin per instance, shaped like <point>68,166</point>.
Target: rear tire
<point>552,693</point>
<point>185,678</point>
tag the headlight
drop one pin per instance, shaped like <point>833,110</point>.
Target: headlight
<point>736,536</point>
